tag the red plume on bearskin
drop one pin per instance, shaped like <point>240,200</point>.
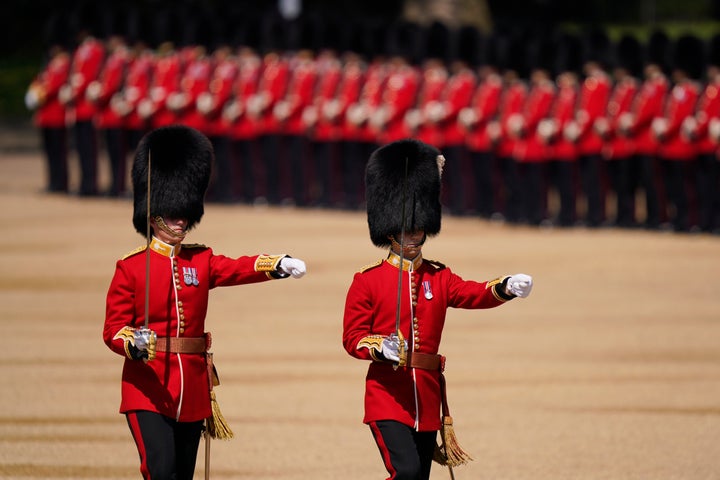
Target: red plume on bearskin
<point>387,183</point>
<point>180,165</point>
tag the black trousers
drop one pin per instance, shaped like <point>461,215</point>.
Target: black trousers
<point>512,206</point>
<point>708,190</point>
<point>591,181</point>
<point>86,145</point>
<point>220,189</point>
<point>618,174</point>
<point>406,453</point>
<point>562,178</point>
<point>482,168</point>
<point>642,175</point>
<point>55,145</point>
<point>116,146</point>
<point>532,188</point>
<point>244,165</point>
<point>677,177</point>
<point>167,449</point>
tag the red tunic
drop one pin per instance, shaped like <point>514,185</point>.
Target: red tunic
<point>110,83</point>
<point>240,124</point>
<point>648,105</point>
<point>592,104</point>
<point>86,65</point>
<point>399,95</point>
<point>681,105</point>
<point>708,108</point>
<point>434,82</point>
<point>408,395</point>
<point>619,146</point>
<point>485,105</point>
<point>137,86</point>
<point>457,95</point>
<point>212,103</point>
<point>562,113</point>
<point>195,82</point>
<point>173,384</point>
<point>325,108</point>
<point>299,95</point>
<point>511,104</point>
<point>50,111</point>
<point>531,148</point>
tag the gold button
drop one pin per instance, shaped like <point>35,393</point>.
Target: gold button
<point>179,287</point>
<point>179,303</point>
<point>180,309</point>
<point>182,330</point>
<point>182,317</point>
<point>182,324</point>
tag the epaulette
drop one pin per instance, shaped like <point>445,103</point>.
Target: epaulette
<point>372,265</point>
<point>193,245</point>
<point>435,263</point>
<point>134,252</point>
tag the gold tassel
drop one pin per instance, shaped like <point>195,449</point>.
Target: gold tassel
<point>216,424</point>
<point>450,453</point>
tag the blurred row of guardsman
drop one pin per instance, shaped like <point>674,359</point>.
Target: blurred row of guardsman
<point>537,127</point>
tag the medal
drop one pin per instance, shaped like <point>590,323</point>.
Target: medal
<point>190,276</point>
<point>427,289</point>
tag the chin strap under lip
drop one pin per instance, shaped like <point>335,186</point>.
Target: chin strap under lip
<point>163,226</point>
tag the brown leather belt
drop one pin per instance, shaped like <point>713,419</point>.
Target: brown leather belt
<point>181,344</point>
<point>426,361</point>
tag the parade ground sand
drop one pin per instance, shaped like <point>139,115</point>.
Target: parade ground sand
<point>610,370</point>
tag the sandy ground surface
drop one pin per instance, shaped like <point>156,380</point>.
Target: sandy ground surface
<point>610,370</point>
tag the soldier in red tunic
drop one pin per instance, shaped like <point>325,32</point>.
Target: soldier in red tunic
<point>697,127</point>
<point>636,126</point>
<point>43,97</point>
<point>87,62</point>
<point>618,149</point>
<point>676,150</point>
<point>108,120</point>
<point>405,296</point>
<point>158,299</point>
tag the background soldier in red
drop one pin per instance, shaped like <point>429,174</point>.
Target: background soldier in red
<point>351,149</point>
<point>166,75</point>
<point>696,127</point>
<point>43,96</point>
<point>135,88</point>
<point>500,132</point>
<point>456,96</point>
<point>561,152</point>
<point>289,113</point>
<point>87,62</point>
<point>676,150</point>
<point>594,94</point>
<point>243,129</point>
<point>636,125</point>
<point>274,78</point>
<point>108,119</point>
<point>618,149</point>
<point>474,120</point>
<point>399,332</point>
<point>321,121</point>
<point>166,379</point>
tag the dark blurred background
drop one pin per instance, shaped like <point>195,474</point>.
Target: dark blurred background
<point>28,28</point>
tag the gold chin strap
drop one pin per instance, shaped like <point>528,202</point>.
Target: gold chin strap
<point>163,226</point>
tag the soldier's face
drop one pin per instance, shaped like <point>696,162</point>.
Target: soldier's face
<point>412,243</point>
<point>169,230</point>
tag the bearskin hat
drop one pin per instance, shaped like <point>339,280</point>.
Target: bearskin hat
<point>180,164</point>
<point>689,56</point>
<point>408,169</point>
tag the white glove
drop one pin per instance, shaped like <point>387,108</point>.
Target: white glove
<point>391,347</point>
<point>519,285</point>
<point>293,267</point>
<point>144,342</point>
